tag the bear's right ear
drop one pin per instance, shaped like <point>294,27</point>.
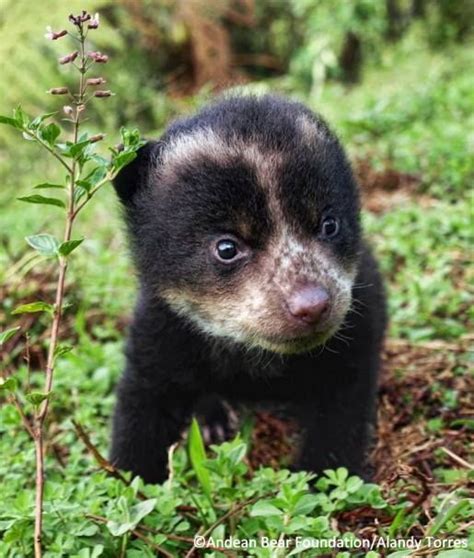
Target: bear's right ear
<point>134,176</point>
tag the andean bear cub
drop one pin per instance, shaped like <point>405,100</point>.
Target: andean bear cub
<point>255,284</point>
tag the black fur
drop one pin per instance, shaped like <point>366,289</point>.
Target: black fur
<point>171,365</point>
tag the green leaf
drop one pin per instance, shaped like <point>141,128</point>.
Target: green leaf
<point>33,307</point>
<point>7,334</point>
<point>93,178</point>
<point>305,504</point>
<point>28,137</point>
<point>20,116</point>
<point>140,510</point>
<point>67,247</point>
<point>264,508</point>
<point>37,397</point>
<point>10,122</point>
<point>342,473</point>
<point>37,198</point>
<point>61,350</point>
<point>8,384</point>
<point>353,484</point>
<point>197,455</point>
<point>50,133</point>
<point>45,244</point>
<point>130,518</point>
<point>468,423</point>
<point>77,149</point>
<point>118,529</point>
<point>131,138</point>
<point>123,159</point>
<point>447,514</point>
<point>44,185</point>
<point>36,122</point>
<point>236,454</point>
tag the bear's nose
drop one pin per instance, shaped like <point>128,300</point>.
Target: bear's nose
<point>308,303</point>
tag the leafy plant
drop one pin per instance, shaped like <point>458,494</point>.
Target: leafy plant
<point>86,172</point>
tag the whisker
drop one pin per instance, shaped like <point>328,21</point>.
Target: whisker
<point>362,285</point>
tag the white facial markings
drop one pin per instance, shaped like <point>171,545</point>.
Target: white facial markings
<point>205,143</point>
<point>217,316</point>
<point>296,262</point>
<point>186,148</point>
<point>252,311</point>
<point>311,131</point>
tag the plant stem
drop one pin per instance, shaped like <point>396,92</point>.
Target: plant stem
<point>57,314</point>
<point>39,491</point>
<point>48,148</point>
<point>109,176</point>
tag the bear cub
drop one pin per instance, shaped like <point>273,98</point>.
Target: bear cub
<point>256,287</point>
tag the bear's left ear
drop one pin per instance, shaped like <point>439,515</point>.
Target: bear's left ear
<point>134,176</point>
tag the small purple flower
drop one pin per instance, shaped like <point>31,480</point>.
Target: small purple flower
<point>68,110</point>
<point>59,91</point>
<point>54,35</point>
<point>98,57</point>
<point>96,138</point>
<point>96,81</point>
<point>85,16</point>
<point>94,22</point>
<point>104,93</point>
<point>68,58</point>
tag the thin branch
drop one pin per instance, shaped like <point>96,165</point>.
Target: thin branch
<point>233,511</point>
<point>38,438</point>
<point>103,463</point>
<point>108,177</point>
<point>458,459</point>
<point>48,148</point>
<point>13,399</point>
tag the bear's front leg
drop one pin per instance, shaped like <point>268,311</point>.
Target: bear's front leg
<point>157,392</point>
<point>147,421</point>
<point>339,423</point>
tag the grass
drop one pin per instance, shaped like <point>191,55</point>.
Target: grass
<point>399,125</point>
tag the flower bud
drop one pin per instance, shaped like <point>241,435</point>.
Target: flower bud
<point>69,57</point>
<point>81,108</point>
<point>95,81</point>
<point>94,22</point>
<point>119,147</point>
<point>68,110</point>
<point>96,138</point>
<point>59,91</point>
<point>100,93</point>
<point>80,18</point>
<point>54,35</point>
<point>85,16</point>
<point>98,57</point>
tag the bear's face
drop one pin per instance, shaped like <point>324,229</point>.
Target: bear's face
<point>251,233</point>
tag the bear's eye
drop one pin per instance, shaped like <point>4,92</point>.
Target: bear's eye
<point>227,249</point>
<point>329,227</point>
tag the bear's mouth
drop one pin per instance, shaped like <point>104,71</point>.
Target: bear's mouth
<point>295,344</point>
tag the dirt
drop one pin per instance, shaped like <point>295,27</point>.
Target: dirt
<point>383,189</point>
